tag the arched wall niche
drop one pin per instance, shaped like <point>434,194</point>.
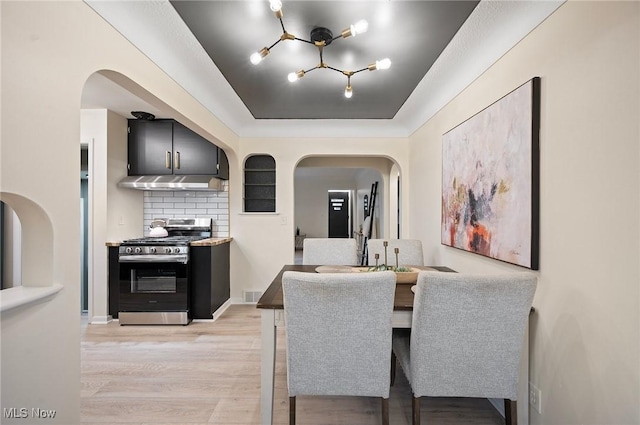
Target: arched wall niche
<point>37,239</point>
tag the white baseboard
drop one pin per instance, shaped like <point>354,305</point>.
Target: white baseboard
<point>221,309</point>
<point>101,320</point>
<point>216,314</point>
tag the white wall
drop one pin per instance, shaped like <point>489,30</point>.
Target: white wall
<point>312,185</point>
<point>585,333</point>
<point>12,267</point>
<point>114,213</point>
<point>311,214</point>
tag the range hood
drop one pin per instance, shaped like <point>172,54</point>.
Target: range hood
<point>172,182</point>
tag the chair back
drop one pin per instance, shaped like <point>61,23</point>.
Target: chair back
<point>409,252</point>
<point>467,333</point>
<point>338,332</point>
<point>330,251</point>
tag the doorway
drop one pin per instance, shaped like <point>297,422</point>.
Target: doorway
<point>339,204</point>
<point>84,226</point>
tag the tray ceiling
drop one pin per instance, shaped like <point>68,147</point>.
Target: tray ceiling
<point>437,49</point>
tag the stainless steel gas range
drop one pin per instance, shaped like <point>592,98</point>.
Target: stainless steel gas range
<point>154,274</point>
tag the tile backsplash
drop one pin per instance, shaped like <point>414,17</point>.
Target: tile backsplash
<point>189,204</point>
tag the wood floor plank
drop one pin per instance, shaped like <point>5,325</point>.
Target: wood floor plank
<point>209,373</point>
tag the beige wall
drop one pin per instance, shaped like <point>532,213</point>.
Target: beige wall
<point>263,242</point>
<point>585,332</point>
<point>49,49</point>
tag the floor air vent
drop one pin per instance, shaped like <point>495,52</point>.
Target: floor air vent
<point>252,296</point>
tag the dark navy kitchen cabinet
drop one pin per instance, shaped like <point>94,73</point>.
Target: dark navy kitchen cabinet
<point>114,282</point>
<point>165,147</point>
<point>209,276</point>
<point>150,147</point>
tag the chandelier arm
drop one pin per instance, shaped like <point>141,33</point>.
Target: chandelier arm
<point>303,40</point>
<point>335,69</point>
<point>273,45</point>
<point>312,69</point>
<point>282,25</point>
<point>360,70</point>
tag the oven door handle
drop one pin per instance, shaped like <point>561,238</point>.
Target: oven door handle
<point>154,258</point>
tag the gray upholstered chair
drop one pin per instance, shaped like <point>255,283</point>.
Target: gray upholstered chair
<point>338,335</point>
<point>409,252</point>
<point>330,251</point>
<point>466,337</point>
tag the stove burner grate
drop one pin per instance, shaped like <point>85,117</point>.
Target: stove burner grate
<point>169,240</point>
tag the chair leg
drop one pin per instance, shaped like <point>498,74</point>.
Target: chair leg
<point>415,410</point>
<point>510,412</point>
<point>393,368</point>
<point>385,411</point>
<point>292,410</point>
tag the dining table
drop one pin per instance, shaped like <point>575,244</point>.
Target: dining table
<point>271,305</point>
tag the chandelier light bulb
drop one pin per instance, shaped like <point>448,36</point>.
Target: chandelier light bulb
<point>383,64</point>
<point>348,92</point>
<point>359,27</point>
<point>257,57</point>
<point>295,76</point>
<point>275,5</point>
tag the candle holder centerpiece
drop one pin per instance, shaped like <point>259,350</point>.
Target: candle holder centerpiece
<point>404,274</point>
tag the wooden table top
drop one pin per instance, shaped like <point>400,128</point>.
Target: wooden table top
<point>272,297</point>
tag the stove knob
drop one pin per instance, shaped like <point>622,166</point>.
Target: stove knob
<point>138,250</point>
<point>167,250</point>
<point>128,250</point>
<point>176,250</point>
<point>152,250</point>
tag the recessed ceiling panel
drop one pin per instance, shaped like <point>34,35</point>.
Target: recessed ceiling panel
<point>411,33</point>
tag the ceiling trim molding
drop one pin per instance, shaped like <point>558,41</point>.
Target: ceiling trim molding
<point>157,30</point>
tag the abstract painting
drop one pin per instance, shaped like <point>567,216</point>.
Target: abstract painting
<point>490,180</point>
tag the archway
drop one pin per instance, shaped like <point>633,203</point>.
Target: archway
<point>36,243</point>
<point>315,175</point>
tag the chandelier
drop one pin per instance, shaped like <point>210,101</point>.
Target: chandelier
<point>319,37</point>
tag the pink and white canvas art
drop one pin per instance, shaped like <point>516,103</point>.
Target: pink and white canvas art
<point>490,166</point>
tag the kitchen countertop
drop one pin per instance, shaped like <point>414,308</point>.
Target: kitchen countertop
<point>211,242</point>
<point>202,242</point>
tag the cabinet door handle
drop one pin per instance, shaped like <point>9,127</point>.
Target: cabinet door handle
<point>167,160</point>
<point>176,161</point>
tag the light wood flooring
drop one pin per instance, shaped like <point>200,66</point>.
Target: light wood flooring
<point>209,373</point>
